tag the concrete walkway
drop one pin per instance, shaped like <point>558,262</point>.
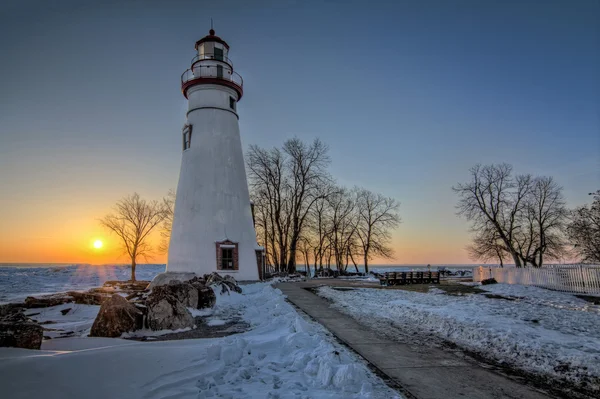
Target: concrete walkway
<point>421,372</point>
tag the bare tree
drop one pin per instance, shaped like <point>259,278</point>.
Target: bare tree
<point>301,214</point>
<point>320,230</point>
<point>344,222</point>
<point>304,245</point>
<point>285,184</point>
<point>377,216</point>
<point>269,191</point>
<point>549,213</point>
<point>488,246</point>
<point>521,216</point>
<point>493,199</point>
<point>309,181</point>
<point>167,224</point>
<point>584,230</point>
<point>132,221</point>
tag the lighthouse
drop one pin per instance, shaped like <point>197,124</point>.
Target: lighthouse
<point>213,228</point>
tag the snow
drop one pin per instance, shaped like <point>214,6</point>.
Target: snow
<point>552,334</point>
<point>78,319</point>
<point>282,356</point>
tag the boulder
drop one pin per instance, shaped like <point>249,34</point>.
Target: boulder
<point>128,286</point>
<point>16,330</point>
<point>115,317</point>
<point>206,297</point>
<point>489,281</point>
<point>89,298</point>
<point>46,301</point>
<point>226,283</point>
<point>169,277</point>
<point>166,311</point>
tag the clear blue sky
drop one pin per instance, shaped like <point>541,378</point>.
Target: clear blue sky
<point>408,95</point>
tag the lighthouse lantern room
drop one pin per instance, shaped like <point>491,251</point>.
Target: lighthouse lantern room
<point>213,228</point>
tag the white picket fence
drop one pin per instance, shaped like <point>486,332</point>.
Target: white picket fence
<point>579,279</point>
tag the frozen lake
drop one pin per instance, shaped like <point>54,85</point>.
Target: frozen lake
<point>19,280</point>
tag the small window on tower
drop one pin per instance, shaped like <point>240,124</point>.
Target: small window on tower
<point>187,136</point>
<point>219,54</point>
<point>227,255</point>
<point>227,259</point>
<point>232,103</point>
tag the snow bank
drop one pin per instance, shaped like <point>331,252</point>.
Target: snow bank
<point>77,321</point>
<point>548,333</point>
<point>282,356</point>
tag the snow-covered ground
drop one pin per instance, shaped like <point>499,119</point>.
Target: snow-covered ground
<point>548,333</point>
<point>77,321</point>
<point>282,356</point>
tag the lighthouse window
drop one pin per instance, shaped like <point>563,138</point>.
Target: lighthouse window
<point>232,103</point>
<point>187,136</point>
<point>219,54</point>
<point>227,259</point>
<point>227,255</point>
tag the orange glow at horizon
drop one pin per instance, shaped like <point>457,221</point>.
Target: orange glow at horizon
<point>62,228</point>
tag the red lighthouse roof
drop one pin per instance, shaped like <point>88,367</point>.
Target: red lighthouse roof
<point>211,38</point>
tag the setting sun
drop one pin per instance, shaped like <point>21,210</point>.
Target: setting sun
<point>97,244</point>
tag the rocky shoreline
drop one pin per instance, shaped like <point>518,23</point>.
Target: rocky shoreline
<point>137,310</point>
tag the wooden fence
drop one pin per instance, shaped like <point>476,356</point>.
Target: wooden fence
<point>579,279</point>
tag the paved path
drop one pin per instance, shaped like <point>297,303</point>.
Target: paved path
<point>423,373</point>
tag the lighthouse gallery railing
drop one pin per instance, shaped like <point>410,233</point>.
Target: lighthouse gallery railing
<point>211,72</point>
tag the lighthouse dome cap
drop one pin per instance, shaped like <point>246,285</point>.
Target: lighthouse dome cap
<point>211,37</point>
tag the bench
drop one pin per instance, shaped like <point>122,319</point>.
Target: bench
<point>403,278</point>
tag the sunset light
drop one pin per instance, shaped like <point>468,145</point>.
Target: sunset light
<point>97,244</point>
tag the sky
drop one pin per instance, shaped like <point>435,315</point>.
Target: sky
<point>407,94</point>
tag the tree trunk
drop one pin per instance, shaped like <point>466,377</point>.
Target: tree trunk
<point>366,265</point>
<point>354,262</point>
<point>516,259</point>
<point>133,264</point>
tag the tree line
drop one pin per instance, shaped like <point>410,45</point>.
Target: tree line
<point>524,218</point>
<point>303,216</point>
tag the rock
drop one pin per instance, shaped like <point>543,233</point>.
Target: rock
<point>186,293</point>
<point>115,317</point>
<point>65,311</point>
<point>46,301</point>
<point>10,308</point>
<point>103,290</point>
<point>168,277</point>
<point>193,293</point>
<point>16,330</point>
<point>206,297</point>
<point>489,281</point>
<point>226,283</point>
<point>129,286</point>
<point>88,298</point>
<point>165,309</point>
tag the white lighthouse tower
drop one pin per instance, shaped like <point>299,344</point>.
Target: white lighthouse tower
<point>213,228</point>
